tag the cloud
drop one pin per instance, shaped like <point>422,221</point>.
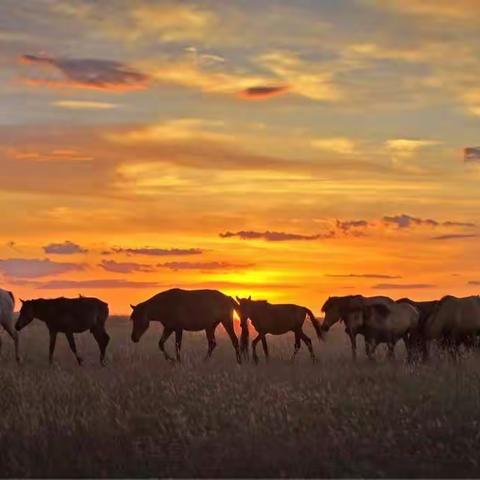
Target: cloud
<point>473,282</point>
<point>262,92</point>
<point>340,145</point>
<point>397,286</point>
<point>460,10</point>
<point>455,236</point>
<point>363,275</point>
<point>34,268</point>
<point>348,225</point>
<point>100,283</point>
<point>158,252</point>
<point>407,221</point>
<point>176,130</point>
<point>406,147</point>
<point>125,267</point>
<point>203,265</point>
<point>87,73</point>
<point>274,236</point>
<point>65,248</point>
<point>48,155</point>
<point>84,105</point>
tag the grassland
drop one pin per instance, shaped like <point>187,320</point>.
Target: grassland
<point>143,417</point>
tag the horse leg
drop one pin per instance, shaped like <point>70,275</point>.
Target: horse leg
<point>370,346</point>
<point>53,341</point>
<point>9,328</point>
<point>178,343</point>
<point>102,338</point>
<point>254,347</point>
<point>228,325</point>
<point>73,347</point>
<point>211,341</point>
<point>306,340</point>
<point>265,347</point>
<point>391,351</point>
<point>353,341</point>
<point>297,344</point>
<point>161,343</point>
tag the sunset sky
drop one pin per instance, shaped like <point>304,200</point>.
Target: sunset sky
<point>284,150</point>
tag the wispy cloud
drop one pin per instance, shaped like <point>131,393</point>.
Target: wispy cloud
<point>405,286</point>
<point>125,267</point>
<point>97,74</point>
<point>65,248</point>
<point>407,221</point>
<point>84,105</point>
<point>157,252</point>
<point>340,145</point>
<point>274,236</point>
<point>204,266</point>
<point>455,236</point>
<point>93,284</point>
<point>262,92</point>
<point>362,275</point>
<point>34,268</point>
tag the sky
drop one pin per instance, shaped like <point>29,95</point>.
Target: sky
<point>284,150</point>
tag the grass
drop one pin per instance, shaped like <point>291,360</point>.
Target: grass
<point>143,417</point>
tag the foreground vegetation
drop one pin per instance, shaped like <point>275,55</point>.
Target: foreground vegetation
<point>141,416</point>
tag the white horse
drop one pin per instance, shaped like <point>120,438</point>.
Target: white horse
<point>7,305</point>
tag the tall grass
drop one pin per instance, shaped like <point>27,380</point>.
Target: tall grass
<point>141,416</point>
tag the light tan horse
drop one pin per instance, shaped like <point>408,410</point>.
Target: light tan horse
<point>7,305</point>
<point>350,309</point>
<point>455,321</point>
<point>191,310</point>
<point>275,319</point>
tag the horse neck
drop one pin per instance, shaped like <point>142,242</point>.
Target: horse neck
<point>40,309</point>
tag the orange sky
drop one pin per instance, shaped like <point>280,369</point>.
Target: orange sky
<point>284,150</point>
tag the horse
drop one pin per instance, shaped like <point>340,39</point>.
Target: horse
<point>190,310</point>
<point>454,321</point>
<point>7,306</point>
<point>418,344</point>
<point>68,316</point>
<point>349,309</point>
<point>388,323</point>
<point>275,319</point>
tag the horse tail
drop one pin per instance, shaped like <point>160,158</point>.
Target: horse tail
<point>315,323</point>
<point>103,313</point>
<point>12,297</point>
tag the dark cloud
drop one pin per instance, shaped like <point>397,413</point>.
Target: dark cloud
<point>363,275</point>
<point>260,92</point>
<point>203,265</point>
<point>274,236</point>
<point>351,224</point>
<point>125,267</point>
<point>473,282</point>
<point>88,73</point>
<point>65,248</point>
<point>455,236</point>
<point>397,286</point>
<point>157,252</point>
<point>407,221</point>
<point>34,268</point>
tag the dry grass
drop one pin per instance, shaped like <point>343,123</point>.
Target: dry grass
<point>141,416</point>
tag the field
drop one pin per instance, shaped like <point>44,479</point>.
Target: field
<point>143,417</point>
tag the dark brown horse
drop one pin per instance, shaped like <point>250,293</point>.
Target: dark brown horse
<point>68,316</point>
<point>191,310</point>
<point>276,320</point>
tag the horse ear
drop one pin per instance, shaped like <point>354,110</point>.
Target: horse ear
<point>249,298</point>
<point>23,301</point>
<point>238,299</point>
<point>133,306</point>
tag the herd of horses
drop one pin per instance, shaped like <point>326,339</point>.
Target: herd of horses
<point>449,322</point>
